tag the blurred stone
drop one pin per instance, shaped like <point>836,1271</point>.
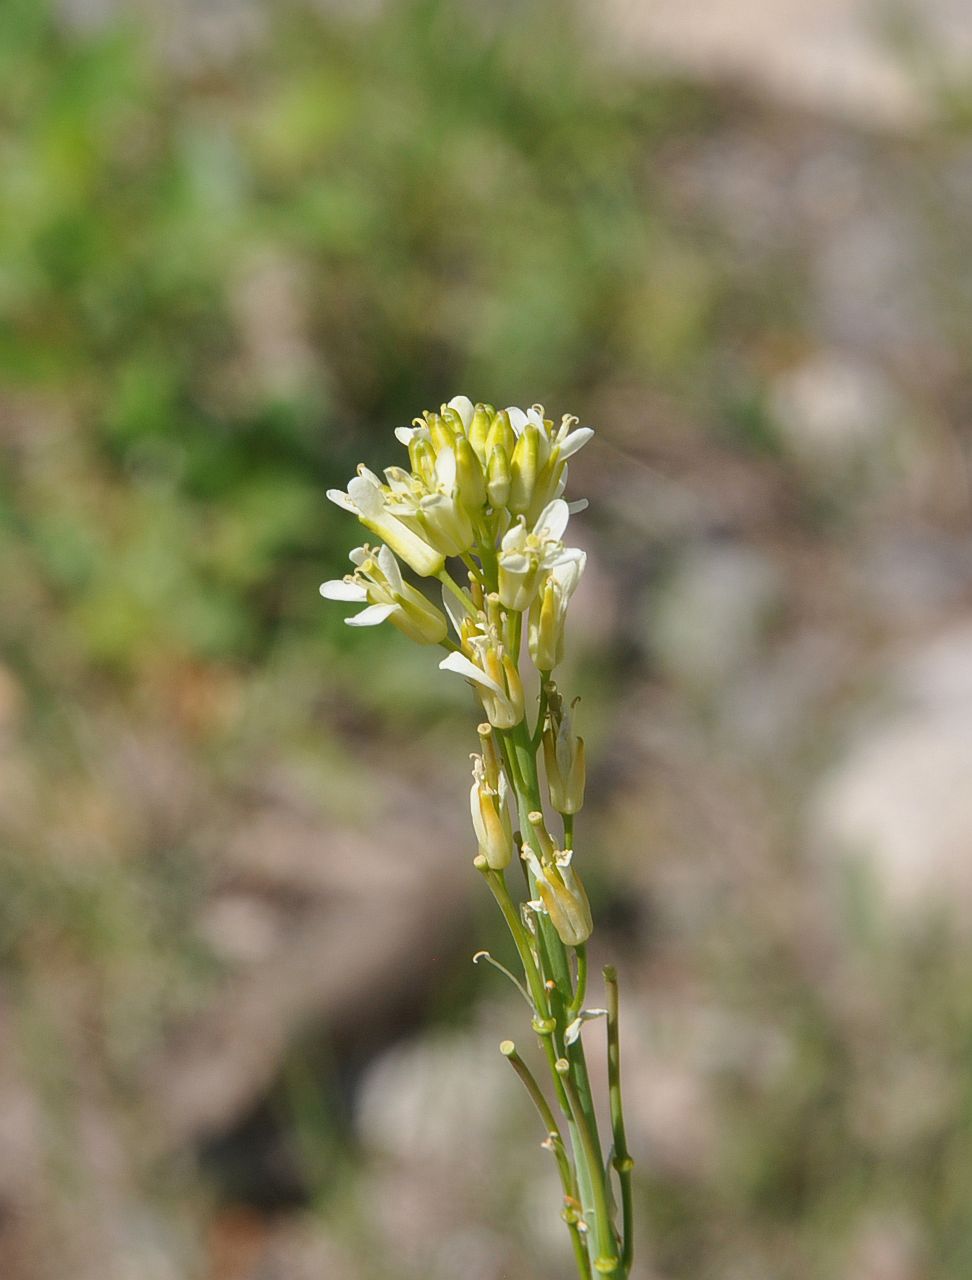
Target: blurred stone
<point>833,411</point>
<point>774,706</point>
<point>709,618</point>
<point>832,56</point>
<point>911,576</point>
<point>886,1247</point>
<point>242,928</point>
<point>898,806</point>
<point>435,1098</point>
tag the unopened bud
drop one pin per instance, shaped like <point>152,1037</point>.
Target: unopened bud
<point>478,430</point>
<point>442,433</point>
<point>528,458</point>
<point>498,477</point>
<point>470,480</point>
<point>501,435</point>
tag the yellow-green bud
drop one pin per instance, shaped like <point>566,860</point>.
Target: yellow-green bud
<point>501,435</point>
<point>479,430</point>
<point>442,433</point>
<point>528,459</point>
<point>498,477</point>
<point>469,477</point>
<point>453,419</point>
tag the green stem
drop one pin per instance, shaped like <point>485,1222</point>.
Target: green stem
<point>451,585</point>
<point>541,712</point>
<point>622,1161</point>
<point>581,988</point>
<point>553,961</point>
<point>556,1143</point>
<point>497,883</point>
<point>606,1262</point>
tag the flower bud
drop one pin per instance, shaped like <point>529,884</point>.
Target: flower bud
<point>469,477</point>
<point>528,458</point>
<point>501,434</point>
<point>442,433</point>
<point>478,430</point>
<point>498,477</point>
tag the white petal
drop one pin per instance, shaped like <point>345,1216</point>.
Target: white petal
<point>358,556</point>
<point>389,567</point>
<point>366,496</point>
<point>445,470</point>
<point>573,1031</point>
<point>477,814</point>
<point>515,538</point>
<point>371,616</point>
<point>454,609</point>
<point>341,589</point>
<point>579,504</point>
<point>518,419</point>
<point>405,435</point>
<point>552,520</point>
<point>342,499</point>
<point>464,407</point>
<point>460,664</point>
<point>567,573</point>
<point>576,440</point>
<point>514,562</point>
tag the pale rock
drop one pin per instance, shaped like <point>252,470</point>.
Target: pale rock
<point>898,805</point>
<point>709,619</point>
<point>833,411</point>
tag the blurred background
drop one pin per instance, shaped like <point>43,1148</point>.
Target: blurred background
<point>240,1034</point>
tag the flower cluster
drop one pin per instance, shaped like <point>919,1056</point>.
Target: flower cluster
<point>484,488</point>
<point>480,509</point>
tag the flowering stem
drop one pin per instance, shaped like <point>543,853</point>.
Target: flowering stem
<point>591,1173</point>
<point>622,1160</point>
<point>606,1261</point>
<point>555,1142</point>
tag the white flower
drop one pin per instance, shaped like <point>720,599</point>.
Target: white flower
<point>496,679</point>
<point>378,584</point>
<point>525,556</point>
<point>366,499</point>
<point>548,613</point>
